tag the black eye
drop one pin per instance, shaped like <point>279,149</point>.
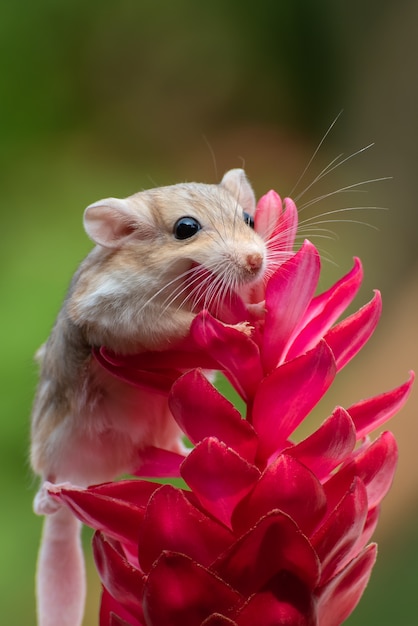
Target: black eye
<point>186,227</point>
<point>248,219</point>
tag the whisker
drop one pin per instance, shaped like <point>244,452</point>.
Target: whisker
<point>326,258</point>
<point>313,218</point>
<point>182,288</point>
<point>211,291</point>
<point>331,167</point>
<point>212,154</point>
<point>326,168</point>
<point>318,233</point>
<point>352,187</point>
<point>347,221</point>
<point>162,289</point>
<point>208,295</point>
<point>314,154</point>
<point>321,174</point>
<point>195,274</point>
<point>213,295</point>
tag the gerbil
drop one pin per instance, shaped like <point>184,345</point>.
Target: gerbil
<point>129,295</point>
<point>138,289</point>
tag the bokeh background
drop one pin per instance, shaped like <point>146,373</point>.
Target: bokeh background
<point>104,98</point>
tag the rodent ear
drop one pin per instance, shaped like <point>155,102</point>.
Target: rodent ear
<point>236,182</point>
<point>111,222</point>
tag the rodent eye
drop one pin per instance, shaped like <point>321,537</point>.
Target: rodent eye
<point>248,219</point>
<point>186,227</point>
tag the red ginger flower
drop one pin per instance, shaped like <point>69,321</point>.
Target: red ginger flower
<point>267,531</point>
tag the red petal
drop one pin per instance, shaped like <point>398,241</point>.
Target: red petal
<point>288,486</point>
<point>233,350</point>
<point>123,582</point>
<point>117,518</point>
<point>158,463</point>
<point>319,302</point>
<point>131,491</point>
<point>277,228</point>
<point>231,310</point>
<point>341,595</point>
<point>186,357</point>
<point>288,394</point>
<point>333,303</point>
<point>286,602</point>
<point>267,215</point>
<point>288,294</point>
<point>367,533</point>
<point>287,228</point>
<point>218,620</point>
<point>371,413</point>
<point>201,411</point>
<point>274,544</point>
<point>158,381</point>
<point>350,335</point>
<point>375,465</point>
<point>334,540</point>
<point>117,621</point>
<point>328,446</point>
<point>112,613</point>
<point>219,477</point>
<point>172,523</point>
<point>178,591</point>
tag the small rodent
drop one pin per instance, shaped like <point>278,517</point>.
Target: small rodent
<point>134,292</point>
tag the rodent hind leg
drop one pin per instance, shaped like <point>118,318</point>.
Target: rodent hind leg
<point>44,503</point>
<point>60,577</point>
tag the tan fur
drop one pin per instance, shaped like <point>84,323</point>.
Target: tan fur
<point>86,426</point>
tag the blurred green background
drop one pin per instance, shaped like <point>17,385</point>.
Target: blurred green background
<point>104,98</point>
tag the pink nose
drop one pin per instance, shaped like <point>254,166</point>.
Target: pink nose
<point>254,261</point>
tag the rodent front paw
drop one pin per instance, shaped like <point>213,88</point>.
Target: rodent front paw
<point>243,327</point>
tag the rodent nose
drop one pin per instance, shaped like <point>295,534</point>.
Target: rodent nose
<point>254,262</point>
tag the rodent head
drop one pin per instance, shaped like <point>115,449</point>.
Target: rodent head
<point>187,244</point>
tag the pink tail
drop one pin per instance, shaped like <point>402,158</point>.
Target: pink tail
<point>61,586</point>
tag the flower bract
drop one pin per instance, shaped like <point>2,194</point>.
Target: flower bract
<point>264,528</point>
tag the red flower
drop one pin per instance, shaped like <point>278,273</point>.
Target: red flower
<point>265,531</point>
